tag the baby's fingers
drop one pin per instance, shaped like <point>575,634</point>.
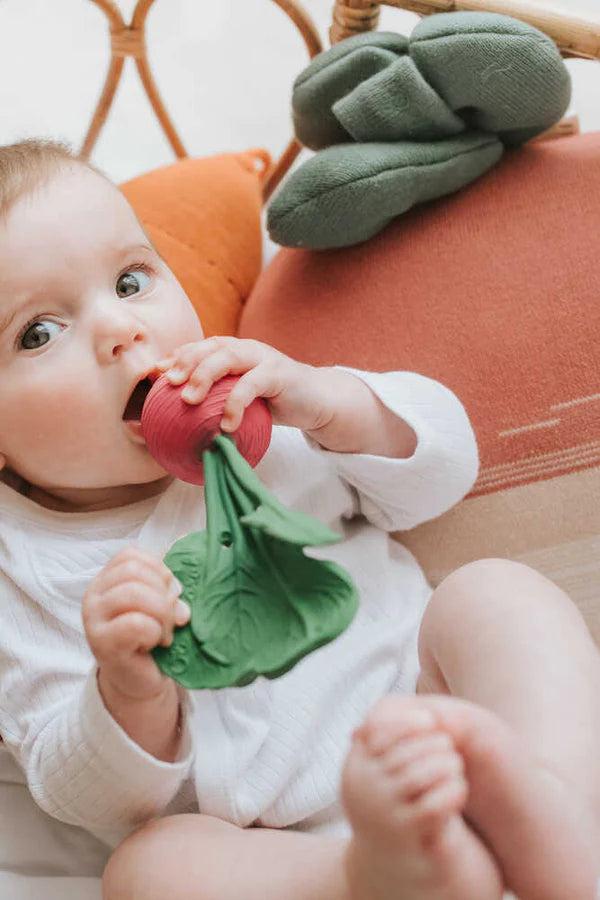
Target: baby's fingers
<point>124,598</point>
<point>202,364</point>
<point>210,370</point>
<point>160,578</point>
<point>132,564</point>
<point>123,653</point>
<point>132,632</point>
<point>182,362</point>
<point>259,382</point>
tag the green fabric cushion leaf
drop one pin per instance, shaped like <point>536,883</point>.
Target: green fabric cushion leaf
<point>399,121</point>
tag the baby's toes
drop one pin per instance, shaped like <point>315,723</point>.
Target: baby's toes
<point>422,775</point>
<point>392,720</point>
<point>432,791</point>
<point>414,748</point>
<point>366,791</point>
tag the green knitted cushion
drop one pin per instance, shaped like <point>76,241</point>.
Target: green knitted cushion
<point>402,120</point>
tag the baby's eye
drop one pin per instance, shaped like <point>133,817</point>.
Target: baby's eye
<point>131,282</point>
<point>36,334</point>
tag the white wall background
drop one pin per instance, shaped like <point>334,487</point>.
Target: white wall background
<point>224,68</point>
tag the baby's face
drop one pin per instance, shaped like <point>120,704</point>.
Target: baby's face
<point>87,308</point>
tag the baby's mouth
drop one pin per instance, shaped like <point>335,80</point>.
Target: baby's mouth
<point>133,410</point>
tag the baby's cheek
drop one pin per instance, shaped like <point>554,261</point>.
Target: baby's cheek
<point>75,405</point>
<point>72,422</point>
<point>45,440</point>
<point>187,326</point>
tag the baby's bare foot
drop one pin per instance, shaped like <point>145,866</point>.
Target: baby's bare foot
<point>404,790</point>
<point>415,829</point>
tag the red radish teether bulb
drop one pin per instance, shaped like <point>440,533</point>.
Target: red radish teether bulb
<point>176,432</point>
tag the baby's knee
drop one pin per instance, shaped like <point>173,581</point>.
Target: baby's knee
<point>486,575</point>
<point>126,869</point>
<point>465,591</point>
<point>482,584</point>
<point>488,591</point>
<point>144,864</point>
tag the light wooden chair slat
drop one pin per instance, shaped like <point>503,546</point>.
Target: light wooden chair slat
<point>574,36</point>
<point>129,39</point>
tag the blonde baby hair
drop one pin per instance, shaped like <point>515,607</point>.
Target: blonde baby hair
<point>26,165</point>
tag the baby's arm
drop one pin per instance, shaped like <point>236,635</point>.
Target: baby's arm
<point>361,422</point>
<point>398,490</point>
<point>81,765</point>
<point>408,445</point>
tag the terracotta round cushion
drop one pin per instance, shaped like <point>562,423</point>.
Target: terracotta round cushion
<point>495,292</point>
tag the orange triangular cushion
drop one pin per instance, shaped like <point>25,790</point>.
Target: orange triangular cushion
<point>204,218</point>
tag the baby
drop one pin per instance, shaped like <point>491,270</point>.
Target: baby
<point>445,747</point>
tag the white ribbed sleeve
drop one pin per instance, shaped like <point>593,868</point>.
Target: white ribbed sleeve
<point>81,767</point>
<point>398,494</point>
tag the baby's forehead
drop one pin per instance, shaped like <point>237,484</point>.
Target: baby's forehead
<point>77,218</point>
<point>78,187</point>
<point>75,205</point>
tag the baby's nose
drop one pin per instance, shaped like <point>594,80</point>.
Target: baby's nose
<point>118,349</point>
<point>117,336</point>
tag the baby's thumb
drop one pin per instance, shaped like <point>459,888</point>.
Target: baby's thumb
<point>183,613</point>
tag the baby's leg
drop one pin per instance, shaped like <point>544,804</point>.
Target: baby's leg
<point>195,857</point>
<point>510,643</point>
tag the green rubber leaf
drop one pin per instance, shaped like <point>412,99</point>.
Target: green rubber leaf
<point>261,510</point>
<point>258,604</point>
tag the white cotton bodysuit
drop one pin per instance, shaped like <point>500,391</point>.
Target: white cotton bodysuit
<point>270,753</point>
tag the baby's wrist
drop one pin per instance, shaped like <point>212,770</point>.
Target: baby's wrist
<point>154,722</point>
<point>361,423</point>
<point>350,403</point>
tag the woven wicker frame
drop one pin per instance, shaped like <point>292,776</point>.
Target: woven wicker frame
<point>573,36</point>
<point>129,39</point>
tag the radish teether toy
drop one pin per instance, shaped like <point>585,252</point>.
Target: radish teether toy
<point>177,433</point>
<point>258,603</point>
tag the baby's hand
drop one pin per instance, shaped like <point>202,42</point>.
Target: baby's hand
<point>129,608</point>
<point>298,394</point>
